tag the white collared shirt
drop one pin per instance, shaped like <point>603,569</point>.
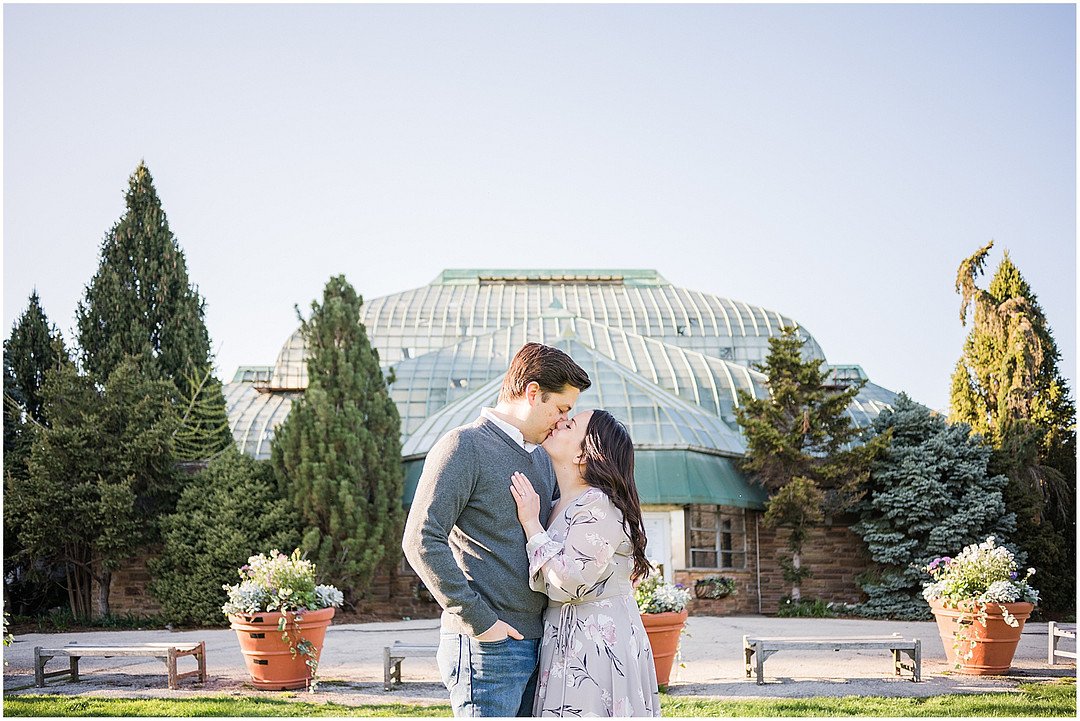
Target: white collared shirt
<point>509,429</point>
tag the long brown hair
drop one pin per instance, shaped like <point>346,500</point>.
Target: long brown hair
<point>608,455</point>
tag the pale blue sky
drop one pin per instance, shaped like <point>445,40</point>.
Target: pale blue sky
<point>833,163</point>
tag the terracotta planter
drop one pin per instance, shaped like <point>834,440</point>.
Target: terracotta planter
<point>995,643</point>
<point>269,661</point>
<point>663,630</point>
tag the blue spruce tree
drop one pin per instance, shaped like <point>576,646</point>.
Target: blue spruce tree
<point>928,496</point>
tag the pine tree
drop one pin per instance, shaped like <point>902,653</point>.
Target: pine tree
<point>101,471</point>
<point>929,495</point>
<point>802,431</point>
<point>141,303</point>
<point>33,348</point>
<point>1007,386</point>
<point>338,454</point>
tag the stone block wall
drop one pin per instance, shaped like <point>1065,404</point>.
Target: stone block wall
<point>833,552</point>
<point>129,591</point>
<point>390,596</point>
<point>835,555</point>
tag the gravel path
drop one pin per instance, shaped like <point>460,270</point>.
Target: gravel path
<point>351,666</point>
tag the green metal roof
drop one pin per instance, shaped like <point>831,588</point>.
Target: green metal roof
<point>475,276</point>
<point>693,477</point>
<point>675,476</point>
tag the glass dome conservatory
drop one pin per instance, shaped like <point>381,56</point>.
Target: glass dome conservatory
<point>667,361</point>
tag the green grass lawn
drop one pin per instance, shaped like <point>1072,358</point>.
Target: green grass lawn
<point>1043,699</point>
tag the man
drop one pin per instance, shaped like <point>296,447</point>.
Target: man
<point>463,540</point>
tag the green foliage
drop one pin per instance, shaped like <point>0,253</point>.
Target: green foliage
<point>33,348</point>
<point>804,608</point>
<point>801,445</point>
<point>1007,387</point>
<point>141,303</point>
<point>928,495</point>
<point>338,454</point>
<point>204,430</point>
<point>100,473</point>
<point>226,513</point>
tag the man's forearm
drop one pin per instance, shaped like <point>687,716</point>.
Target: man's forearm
<point>428,552</point>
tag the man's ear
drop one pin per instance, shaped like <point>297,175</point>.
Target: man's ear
<point>532,393</point>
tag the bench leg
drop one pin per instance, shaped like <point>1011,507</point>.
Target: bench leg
<point>73,664</point>
<point>748,653</point>
<point>39,668</point>
<point>760,664</point>
<point>1052,643</point>
<point>917,676</point>
<point>896,661</point>
<point>386,669</point>
<point>201,657</point>
<point>171,663</point>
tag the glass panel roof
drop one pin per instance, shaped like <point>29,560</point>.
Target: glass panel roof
<point>667,361</point>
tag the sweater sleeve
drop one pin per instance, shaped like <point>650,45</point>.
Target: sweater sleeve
<point>579,566</point>
<point>444,489</point>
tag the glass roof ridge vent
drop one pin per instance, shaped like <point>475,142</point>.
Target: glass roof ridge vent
<point>550,276</point>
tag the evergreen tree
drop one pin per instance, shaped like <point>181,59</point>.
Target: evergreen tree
<point>929,495</point>
<point>1007,386</point>
<point>33,348</point>
<point>101,472</point>
<point>802,431</point>
<point>141,303</point>
<point>230,511</point>
<point>338,454</point>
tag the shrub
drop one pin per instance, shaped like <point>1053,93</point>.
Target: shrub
<point>805,608</point>
<point>226,514</point>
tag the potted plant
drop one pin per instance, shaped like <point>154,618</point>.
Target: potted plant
<point>663,613</point>
<point>280,617</point>
<point>714,587</point>
<point>980,603</point>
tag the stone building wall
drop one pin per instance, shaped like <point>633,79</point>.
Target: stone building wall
<point>390,596</point>
<point>835,555</point>
<point>129,591</point>
<point>833,552</point>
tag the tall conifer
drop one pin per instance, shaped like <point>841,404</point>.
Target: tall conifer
<point>801,445</point>
<point>1007,386</point>
<point>141,303</point>
<point>34,348</point>
<point>338,454</point>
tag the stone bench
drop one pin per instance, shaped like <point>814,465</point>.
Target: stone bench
<point>1056,632</point>
<point>395,654</point>
<point>758,649</point>
<point>167,652</point>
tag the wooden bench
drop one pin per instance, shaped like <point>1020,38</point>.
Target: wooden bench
<point>1056,632</point>
<point>758,649</point>
<point>167,652</point>
<point>394,655</point>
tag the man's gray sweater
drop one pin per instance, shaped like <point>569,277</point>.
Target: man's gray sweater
<point>463,537</point>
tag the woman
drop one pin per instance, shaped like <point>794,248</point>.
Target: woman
<point>595,659</point>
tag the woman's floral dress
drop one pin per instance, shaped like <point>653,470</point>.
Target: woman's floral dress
<point>595,659</point>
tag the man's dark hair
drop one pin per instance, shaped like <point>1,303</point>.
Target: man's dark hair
<point>549,367</point>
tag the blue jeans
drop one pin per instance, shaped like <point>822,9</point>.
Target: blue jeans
<point>495,678</point>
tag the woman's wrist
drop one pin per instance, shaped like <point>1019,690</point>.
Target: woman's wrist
<point>532,528</point>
